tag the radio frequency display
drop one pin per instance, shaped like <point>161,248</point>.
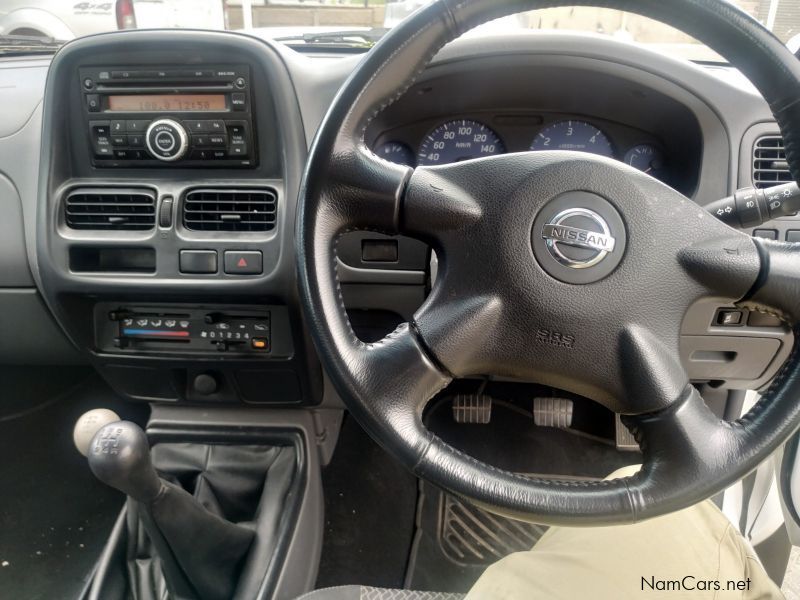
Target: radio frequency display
<point>167,103</point>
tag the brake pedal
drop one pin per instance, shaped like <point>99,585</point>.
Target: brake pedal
<point>474,409</point>
<point>552,412</point>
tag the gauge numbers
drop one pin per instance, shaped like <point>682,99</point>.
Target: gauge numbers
<point>578,136</point>
<point>457,141</point>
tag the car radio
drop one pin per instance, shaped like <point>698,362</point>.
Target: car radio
<point>174,116</point>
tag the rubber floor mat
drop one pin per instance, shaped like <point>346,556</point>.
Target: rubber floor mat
<point>471,536</point>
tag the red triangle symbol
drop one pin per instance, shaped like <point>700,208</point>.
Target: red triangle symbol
<point>242,262</point>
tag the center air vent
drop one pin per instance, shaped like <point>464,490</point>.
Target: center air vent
<point>112,209</point>
<point>230,210</point>
<point>769,162</point>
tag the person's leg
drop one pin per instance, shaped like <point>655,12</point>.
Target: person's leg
<point>694,553</point>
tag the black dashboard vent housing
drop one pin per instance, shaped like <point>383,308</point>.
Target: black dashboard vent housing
<point>110,209</point>
<point>230,210</point>
<point>769,162</point>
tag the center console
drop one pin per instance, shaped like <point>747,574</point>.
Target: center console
<point>170,167</point>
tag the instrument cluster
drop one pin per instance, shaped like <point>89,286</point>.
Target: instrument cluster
<point>457,140</point>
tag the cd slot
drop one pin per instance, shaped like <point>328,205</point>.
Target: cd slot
<point>160,87</point>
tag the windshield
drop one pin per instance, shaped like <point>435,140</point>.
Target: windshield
<point>352,24</point>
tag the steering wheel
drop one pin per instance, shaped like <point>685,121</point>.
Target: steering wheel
<point>563,268</point>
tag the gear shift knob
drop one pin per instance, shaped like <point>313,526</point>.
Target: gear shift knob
<point>119,456</point>
<point>90,423</point>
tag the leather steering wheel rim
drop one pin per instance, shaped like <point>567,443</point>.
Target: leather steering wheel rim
<point>475,328</point>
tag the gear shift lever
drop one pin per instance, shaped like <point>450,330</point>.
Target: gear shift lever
<point>201,554</point>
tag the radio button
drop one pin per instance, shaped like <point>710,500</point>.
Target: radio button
<point>93,102</point>
<point>200,141</point>
<point>195,126</point>
<point>122,154</point>
<point>118,127</point>
<point>167,140</point>
<point>218,154</point>
<point>201,155</point>
<point>239,101</point>
<point>101,140</point>
<point>136,140</point>
<point>99,128</point>
<point>237,132</point>
<point>215,126</point>
<point>216,140</point>
<point>137,126</point>
<point>239,149</point>
<point>119,140</point>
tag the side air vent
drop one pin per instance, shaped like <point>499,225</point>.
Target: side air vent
<point>110,209</point>
<point>769,162</point>
<point>230,210</point>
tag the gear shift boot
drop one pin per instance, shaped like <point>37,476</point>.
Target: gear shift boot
<point>191,534</point>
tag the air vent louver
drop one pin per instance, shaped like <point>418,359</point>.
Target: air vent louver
<point>769,162</point>
<point>110,209</point>
<point>230,210</point>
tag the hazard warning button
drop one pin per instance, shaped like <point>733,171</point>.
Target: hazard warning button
<point>243,262</point>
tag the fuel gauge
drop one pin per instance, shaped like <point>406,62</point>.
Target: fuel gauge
<point>397,152</point>
<point>647,158</point>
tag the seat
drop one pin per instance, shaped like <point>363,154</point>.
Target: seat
<point>361,592</point>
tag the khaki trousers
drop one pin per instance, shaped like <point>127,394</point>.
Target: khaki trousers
<point>695,553</point>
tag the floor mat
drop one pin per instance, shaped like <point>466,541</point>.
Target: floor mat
<point>54,515</point>
<point>454,541</point>
<point>370,503</point>
<point>473,537</point>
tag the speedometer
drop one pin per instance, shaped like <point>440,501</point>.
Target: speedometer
<point>458,141</point>
<point>578,136</point>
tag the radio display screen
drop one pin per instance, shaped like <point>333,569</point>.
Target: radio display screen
<point>167,103</point>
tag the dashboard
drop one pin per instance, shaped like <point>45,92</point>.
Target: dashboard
<point>150,195</point>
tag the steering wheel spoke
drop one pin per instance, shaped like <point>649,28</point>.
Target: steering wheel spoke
<point>686,451</point>
<point>437,208</point>
<point>395,400</point>
<point>777,290</point>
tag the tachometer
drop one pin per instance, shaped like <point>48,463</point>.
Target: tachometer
<point>457,141</point>
<point>578,136</point>
<point>396,152</point>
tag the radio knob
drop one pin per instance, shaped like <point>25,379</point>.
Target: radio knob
<point>167,140</point>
